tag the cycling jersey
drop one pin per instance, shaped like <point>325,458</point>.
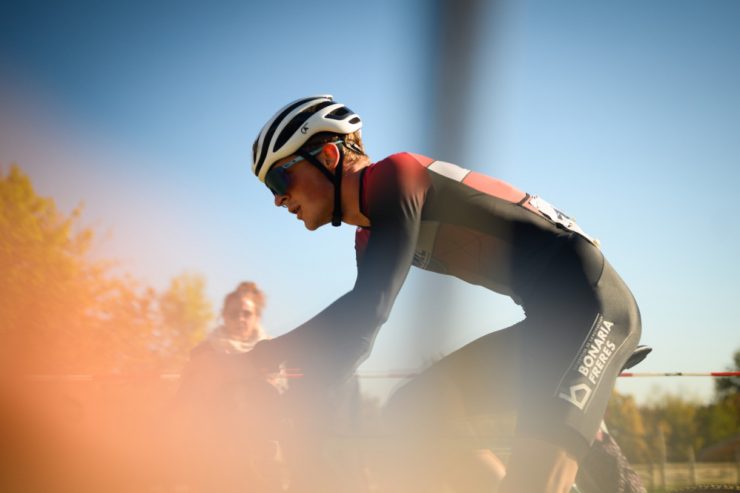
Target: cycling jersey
<point>441,217</point>
<point>458,222</point>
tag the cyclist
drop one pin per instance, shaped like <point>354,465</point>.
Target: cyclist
<point>581,324</point>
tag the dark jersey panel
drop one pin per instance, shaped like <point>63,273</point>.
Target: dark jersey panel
<point>479,229</point>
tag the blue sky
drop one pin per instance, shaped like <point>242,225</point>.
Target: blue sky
<point>624,114</point>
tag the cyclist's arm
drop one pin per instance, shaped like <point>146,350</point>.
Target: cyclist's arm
<point>339,338</point>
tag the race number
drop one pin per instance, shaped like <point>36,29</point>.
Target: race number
<point>559,217</point>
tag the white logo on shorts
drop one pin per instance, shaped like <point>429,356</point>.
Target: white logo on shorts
<point>578,395</point>
<point>589,366</point>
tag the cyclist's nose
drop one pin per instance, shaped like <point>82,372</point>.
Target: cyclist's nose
<point>280,200</point>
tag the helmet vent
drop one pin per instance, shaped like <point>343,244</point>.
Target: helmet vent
<point>339,113</point>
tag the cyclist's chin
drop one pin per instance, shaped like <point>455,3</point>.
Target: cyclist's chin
<point>312,225</point>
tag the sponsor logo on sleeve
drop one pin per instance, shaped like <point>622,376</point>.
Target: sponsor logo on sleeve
<point>425,244</point>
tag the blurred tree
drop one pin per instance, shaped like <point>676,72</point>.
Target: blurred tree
<point>124,331</point>
<point>625,424</point>
<point>721,419</point>
<point>729,385</point>
<point>62,311</point>
<point>186,314</point>
<point>681,424</point>
<point>676,418</point>
<point>47,287</point>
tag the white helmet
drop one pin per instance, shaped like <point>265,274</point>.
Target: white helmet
<point>294,124</point>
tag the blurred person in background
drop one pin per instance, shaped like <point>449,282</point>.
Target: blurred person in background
<point>242,322</point>
<point>582,323</point>
<point>228,429</point>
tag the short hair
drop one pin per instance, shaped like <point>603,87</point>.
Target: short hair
<point>353,143</point>
<point>244,289</point>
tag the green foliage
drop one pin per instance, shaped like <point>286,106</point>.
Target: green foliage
<point>719,420</point>
<point>671,422</point>
<point>726,386</point>
<point>671,426</point>
<point>61,311</point>
<point>186,313</point>
<point>625,423</point>
<point>49,287</point>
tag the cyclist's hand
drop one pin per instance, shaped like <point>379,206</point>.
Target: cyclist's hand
<point>264,357</point>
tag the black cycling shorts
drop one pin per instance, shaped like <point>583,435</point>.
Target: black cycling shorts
<point>556,368</point>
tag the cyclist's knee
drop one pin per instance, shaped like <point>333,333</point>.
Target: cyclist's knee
<point>539,466</point>
<point>428,404</point>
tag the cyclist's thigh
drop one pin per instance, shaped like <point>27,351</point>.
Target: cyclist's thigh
<point>579,332</point>
<point>479,378</point>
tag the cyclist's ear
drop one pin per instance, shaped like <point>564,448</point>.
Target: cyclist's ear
<point>329,155</point>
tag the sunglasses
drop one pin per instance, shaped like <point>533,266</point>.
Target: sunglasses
<point>278,180</point>
<point>235,314</point>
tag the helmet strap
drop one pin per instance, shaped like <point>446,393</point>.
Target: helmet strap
<point>336,217</point>
<point>335,178</point>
